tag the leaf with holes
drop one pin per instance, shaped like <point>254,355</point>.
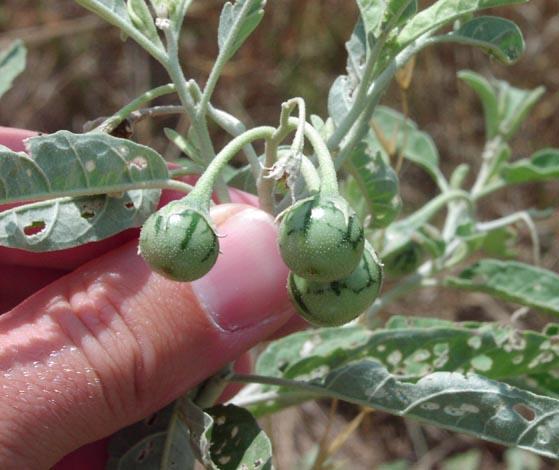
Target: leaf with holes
<point>500,38</point>
<point>237,21</point>
<point>12,63</point>
<point>64,223</point>
<point>511,281</point>
<point>466,403</point>
<point>441,13</point>
<point>542,166</point>
<point>415,347</point>
<point>378,184</point>
<point>152,443</point>
<point>227,437</point>
<point>407,346</point>
<point>65,165</point>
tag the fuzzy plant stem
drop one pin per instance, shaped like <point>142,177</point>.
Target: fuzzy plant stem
<point>200,127</point>
<point>111,123</point>
<point>222,58</point>
<point>366,108</point>
<point>327,172</point>
<point>204,187</point>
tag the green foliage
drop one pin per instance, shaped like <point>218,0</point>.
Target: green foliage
<point>377,186</point>
<point>542,166</point>
<point>92,181</point>
<point>441,13</point>
<point>471,377</point>
<point>499,37</point>
<point>505,107</point>
<point>227,438</point>
<point>238,20</point>
<point>395,134</point>
<point>512,281</point>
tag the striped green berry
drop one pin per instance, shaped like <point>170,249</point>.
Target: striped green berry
<point>178,242</point>
<point>338,302</point>
<point>321,238</point>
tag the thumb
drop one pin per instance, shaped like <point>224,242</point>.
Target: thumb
<point>113,342</point>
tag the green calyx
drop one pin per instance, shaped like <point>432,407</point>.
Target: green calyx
<point>178,242</point>
<point>338,302</point>
<point>321,238</point>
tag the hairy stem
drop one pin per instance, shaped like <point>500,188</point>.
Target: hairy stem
<point>204,187</point>
<point>111,123</point>
<point>222,58</point>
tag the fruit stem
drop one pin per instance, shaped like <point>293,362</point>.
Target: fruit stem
<point>328,179</point>
<point>202,192</point>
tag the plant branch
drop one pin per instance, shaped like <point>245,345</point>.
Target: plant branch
<point>521,216</point>
<point>374,93</point>
<point>205,184</point>
<point>222,58</point>
<point>111,123</point>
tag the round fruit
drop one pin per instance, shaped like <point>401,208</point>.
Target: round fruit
<point>179,242</point>
<point>338,302</point>
<point>321,238</point>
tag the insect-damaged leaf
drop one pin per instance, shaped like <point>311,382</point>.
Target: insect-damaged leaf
<point>65,164</point>
<point>227,437</point>
<point>90,182</point>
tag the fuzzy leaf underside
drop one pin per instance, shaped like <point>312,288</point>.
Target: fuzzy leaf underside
<point>231,20</point>
<point>512,281</point>
<point>367,368</point>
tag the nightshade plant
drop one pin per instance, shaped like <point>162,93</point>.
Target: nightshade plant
<point>332,182</point>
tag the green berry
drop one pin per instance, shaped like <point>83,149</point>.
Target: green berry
<point>178,242</point>
<point>321,238</point>
<point>338,302</point>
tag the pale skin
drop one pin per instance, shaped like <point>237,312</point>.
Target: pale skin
<point>92,340</point>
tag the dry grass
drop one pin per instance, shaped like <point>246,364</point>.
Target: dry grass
<point>79,69</point>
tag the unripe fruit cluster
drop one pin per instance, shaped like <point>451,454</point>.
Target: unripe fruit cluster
<point>335,274</point>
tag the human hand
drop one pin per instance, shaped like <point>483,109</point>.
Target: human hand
<point>92,340</point>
